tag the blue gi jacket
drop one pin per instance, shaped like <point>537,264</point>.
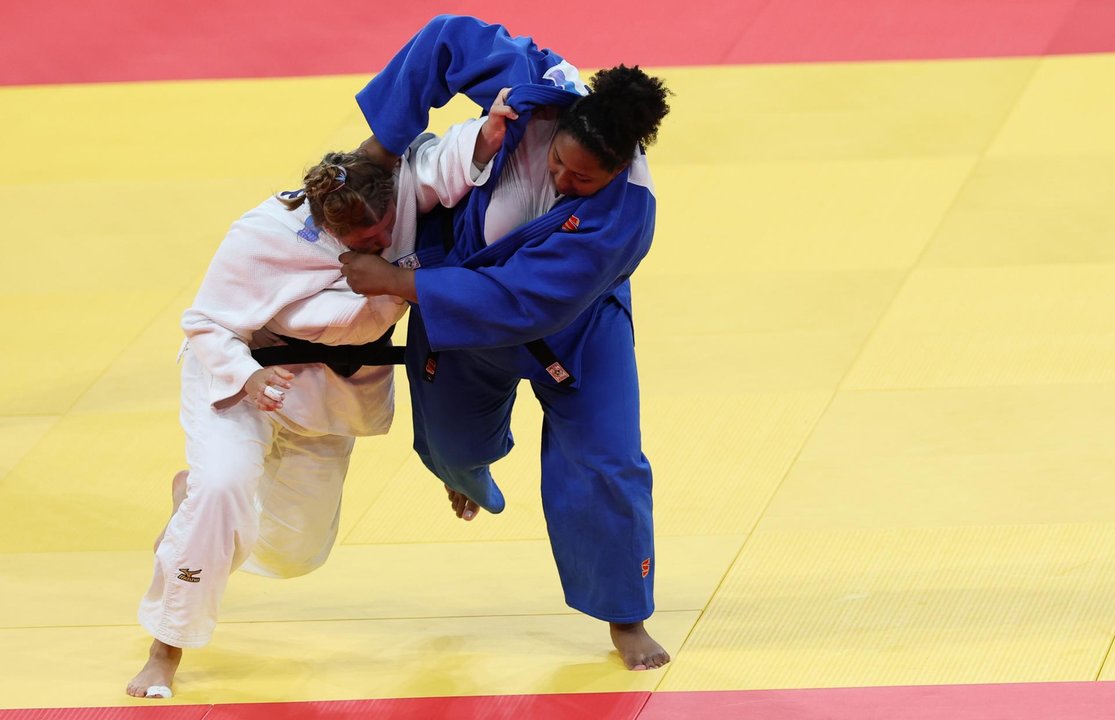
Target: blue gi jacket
<point>547,278</point>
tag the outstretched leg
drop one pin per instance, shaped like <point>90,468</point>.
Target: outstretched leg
<point>596,490</point>
<point>212,530</point>
<point>162,661</point>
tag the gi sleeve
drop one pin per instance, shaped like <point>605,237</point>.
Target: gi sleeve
<point>338,316</point>
<point>452,54</point>
<point>442,167</point>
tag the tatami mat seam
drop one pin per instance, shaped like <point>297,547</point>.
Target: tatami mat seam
<point>929,241</point>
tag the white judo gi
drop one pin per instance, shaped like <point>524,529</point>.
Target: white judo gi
<point>264,489</point>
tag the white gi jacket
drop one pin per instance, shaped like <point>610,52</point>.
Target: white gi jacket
<point>277,274</point>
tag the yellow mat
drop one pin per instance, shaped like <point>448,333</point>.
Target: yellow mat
<point>905,606</point>
<point>874,337</point>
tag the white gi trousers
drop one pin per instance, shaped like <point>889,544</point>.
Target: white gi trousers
<point>260,495</point>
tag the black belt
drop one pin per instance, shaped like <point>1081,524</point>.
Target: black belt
<point>538,348</point>
<point>436,236</point>
<point>344,360</point>
<point>545,356</point>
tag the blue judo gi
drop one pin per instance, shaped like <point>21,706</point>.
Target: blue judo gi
<point>562,279</point>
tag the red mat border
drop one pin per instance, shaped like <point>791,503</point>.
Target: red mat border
<point>1017,701</point>
<point>61,41</point>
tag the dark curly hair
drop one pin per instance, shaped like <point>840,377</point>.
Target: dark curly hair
<point>345,191</point>
<point>622,112</point>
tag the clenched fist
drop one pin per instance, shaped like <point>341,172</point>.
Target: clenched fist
<point>372,275</point>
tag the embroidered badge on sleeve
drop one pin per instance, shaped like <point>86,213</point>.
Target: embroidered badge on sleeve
<point>310,233</point>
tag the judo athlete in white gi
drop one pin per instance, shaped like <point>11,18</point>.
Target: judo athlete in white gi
<point>536,287</point>
<point>268,447</point>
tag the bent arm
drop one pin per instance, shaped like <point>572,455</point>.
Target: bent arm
<point>443,168</point>
<point>450,55</point>
<point>541,287</point>
<point>338,316</point>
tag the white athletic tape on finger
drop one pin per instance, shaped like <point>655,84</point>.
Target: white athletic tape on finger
<point>274,393</point>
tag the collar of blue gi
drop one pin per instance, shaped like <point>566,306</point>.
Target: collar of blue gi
<point>524,99</point>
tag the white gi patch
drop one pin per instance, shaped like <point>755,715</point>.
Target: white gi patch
<point>566,77</point>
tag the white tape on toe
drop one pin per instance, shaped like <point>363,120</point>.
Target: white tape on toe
<point>159,691</point>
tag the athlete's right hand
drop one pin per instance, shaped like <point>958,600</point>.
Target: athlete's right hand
<point>372,275</point>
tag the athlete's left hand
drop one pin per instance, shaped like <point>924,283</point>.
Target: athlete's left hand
<point>493,130</point>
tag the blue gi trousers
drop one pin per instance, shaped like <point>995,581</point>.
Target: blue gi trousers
<point>596,482</point>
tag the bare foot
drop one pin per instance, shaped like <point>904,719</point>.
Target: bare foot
<point>464,508</point>
<point>161,665</point>
<point>177,495</point>
<point>638,649</point>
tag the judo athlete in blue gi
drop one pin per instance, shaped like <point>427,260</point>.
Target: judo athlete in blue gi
<point>534,285</point>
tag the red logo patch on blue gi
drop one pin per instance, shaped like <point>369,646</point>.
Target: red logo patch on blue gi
<point>430,368</point>
<point>557,372</point>
<point>571,224</point>
<point>646,567</point>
